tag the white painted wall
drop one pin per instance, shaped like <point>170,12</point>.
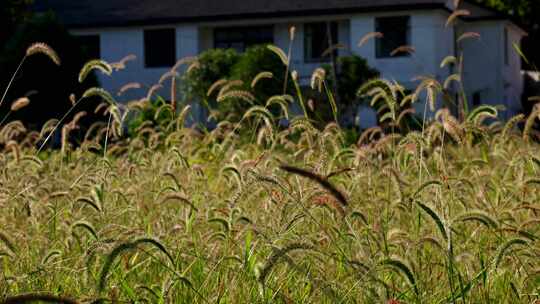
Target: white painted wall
<point>116,43</point>
<point>482,61</point>
<point>430,38</point>
<point>512,78</point>
<point>484,68</point>
<point>298,61</point>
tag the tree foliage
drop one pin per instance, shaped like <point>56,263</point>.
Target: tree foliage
<point>227,64</point>
<point>214,64</point>
<point>353,71</point>
<point>47,85</point>
<point>12,12</point>
<point>259,59</point>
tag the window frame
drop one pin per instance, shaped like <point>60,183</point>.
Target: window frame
<point>156,64</point>
<point>308,41</point>
<point>247,36</point>
<point>383,54</point>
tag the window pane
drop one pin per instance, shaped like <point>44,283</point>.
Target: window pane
<point>241,38</point>
<point>395,32</point>
<point>477,99</point>
<point>316,40</point>
<point>159,48</point>
<point>90,45</point>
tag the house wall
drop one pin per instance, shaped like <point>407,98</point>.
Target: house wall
<point>298,62</point>
<point>191,40</point>
<point>513,81</point>
<point>281,39</point>
<point>430,38</point>
<point>482,61</point>
<point>427,28</point>
<point>484,68</point>
<point>117,43</point>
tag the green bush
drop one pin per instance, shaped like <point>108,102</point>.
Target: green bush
<point>214,64</point>
<point>217,64</point>
<point>352,72</point>
<point>259,59</point>
<point>318,107</point>
<point>148,114</point>
<point>255,60</point>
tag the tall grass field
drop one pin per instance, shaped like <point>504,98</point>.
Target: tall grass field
<point>255,211</point>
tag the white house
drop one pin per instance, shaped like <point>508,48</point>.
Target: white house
<point>160,32</point>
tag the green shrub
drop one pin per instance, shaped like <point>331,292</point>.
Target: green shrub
<point>214,64</point>
<point>148,114</point>
<point>255,60</point>
<point>352,72</point>
<point>317,106</point>
<point>217,64</point>
<point>259,59</point>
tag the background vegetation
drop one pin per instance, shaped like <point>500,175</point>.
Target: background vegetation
<point>46,84</point>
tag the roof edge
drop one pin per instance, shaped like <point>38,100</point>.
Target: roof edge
<point>498,16</point>
<point>344,11</point>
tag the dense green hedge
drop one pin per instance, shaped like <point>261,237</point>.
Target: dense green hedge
<point>218,64</point>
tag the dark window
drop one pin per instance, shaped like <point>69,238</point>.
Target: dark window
<point>90,45</point>
<point>396,33</point>
<point>477,99</point>
<point>240,38</point>
<point>159,48</point>
<point>317,37</point>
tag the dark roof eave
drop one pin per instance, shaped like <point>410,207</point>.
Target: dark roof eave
<point>497,18</point>
<point>164,21</point>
